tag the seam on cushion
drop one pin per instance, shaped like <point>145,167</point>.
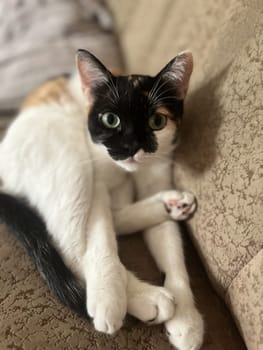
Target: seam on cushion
<point>239,272</point>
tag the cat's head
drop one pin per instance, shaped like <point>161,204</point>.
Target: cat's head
<point>135,117</point>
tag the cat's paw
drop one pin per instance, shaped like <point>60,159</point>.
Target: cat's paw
<point>179,205</point>
<point>186,329</point>
<point>107,298</point>
<point>151,304</point>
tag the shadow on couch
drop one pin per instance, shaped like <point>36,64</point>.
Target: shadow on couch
<point>199,130</point>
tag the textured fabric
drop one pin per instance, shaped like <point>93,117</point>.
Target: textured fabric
<point>221,152</point>
<point>38,40</point>
<point>245,296</point>
<point>31,319</point>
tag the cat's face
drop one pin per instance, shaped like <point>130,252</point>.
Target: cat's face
<point>135,117</point>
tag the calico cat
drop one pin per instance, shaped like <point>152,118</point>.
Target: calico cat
<point>90,157</point>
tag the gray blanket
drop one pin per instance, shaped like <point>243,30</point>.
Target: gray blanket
<point>38,39</point>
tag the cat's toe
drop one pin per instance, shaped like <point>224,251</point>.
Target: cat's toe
<point>152,305</point>
<point>108,319</point>
<point>108,311</point>
<point>107,298</point>
<point>186,329</point>
<point>179,205</point>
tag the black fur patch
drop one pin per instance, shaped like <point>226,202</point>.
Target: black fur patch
<point>134,99</point>
<point>130,98</point>
<point>29,228</point>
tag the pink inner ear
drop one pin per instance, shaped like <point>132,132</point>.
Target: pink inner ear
<point>90,75</point>
<point>182,69</point>
<point>84,76</point>
<point>188,65</point>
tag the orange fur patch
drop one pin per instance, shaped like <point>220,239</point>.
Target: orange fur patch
<point>164,111</point>
<point>117,71</point>
<point>54,90</point>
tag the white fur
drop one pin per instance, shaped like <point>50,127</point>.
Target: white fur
<point>47,156</point>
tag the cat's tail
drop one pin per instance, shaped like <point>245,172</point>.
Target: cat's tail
<point>29,228</point>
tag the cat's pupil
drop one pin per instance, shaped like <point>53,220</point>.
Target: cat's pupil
<point>158,120</point>
<point>111,119</point>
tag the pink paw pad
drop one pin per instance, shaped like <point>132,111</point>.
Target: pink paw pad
<point>179,205</point>
<point>172,202</point>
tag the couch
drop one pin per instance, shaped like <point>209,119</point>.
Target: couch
<point>219,159</point>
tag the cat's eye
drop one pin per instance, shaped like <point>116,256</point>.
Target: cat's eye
<point>110,120</point>
<point>157,121</point>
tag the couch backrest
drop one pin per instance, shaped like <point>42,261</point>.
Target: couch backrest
<point>221,155</point>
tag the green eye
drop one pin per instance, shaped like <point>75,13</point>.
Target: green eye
<point>110,120</point>
<point>157,121</point>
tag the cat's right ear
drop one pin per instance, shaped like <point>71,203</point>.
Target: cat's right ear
<point>179,71</point>
<point>91,71</point>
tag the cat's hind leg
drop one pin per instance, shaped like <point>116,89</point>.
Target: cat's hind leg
<point>186,328</point>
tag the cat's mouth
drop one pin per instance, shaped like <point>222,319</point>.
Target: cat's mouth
<point>129,164</point>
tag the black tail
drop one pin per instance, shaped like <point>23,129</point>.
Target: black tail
<point>29,228</point>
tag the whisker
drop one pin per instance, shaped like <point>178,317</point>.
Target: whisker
<point>159,88</point>
<point>114,88</point>
<point>164,92</point>
<point>153,89</point>
<point>163,99</point>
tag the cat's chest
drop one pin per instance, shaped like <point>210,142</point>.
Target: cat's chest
<point>110,174</point>
<point>106,170</point>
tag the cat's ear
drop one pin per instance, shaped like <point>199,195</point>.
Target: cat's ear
<point>91,71</point>
<point>179,71</point>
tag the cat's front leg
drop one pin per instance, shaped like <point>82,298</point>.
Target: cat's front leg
<point>154,210</point>
<point>186,328</point>
<point>106,277</point>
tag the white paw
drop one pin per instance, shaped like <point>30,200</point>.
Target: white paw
<point>151,304</point>
<point>186,329</point>
<point>107,298</point>
<point>179,205</point>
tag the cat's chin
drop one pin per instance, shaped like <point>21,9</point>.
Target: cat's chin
<point>129,164</point>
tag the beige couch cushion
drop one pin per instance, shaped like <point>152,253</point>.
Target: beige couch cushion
<point>220,156</point>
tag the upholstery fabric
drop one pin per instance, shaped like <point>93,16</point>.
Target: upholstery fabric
<point>220,156</point>
<point>244,295</point>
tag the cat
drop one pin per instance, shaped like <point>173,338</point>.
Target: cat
<point>89,157</point>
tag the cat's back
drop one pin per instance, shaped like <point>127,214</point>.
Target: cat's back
<point>49,133</point>
<point>45,158</point>
<point>49,92</point>
<point>51,110</point>
<point>60,92</point>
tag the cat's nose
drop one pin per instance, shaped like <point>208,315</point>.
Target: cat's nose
<point>131,148</point>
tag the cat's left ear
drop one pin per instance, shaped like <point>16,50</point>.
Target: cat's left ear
<point>179,71</point>
<point>91,71</point>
